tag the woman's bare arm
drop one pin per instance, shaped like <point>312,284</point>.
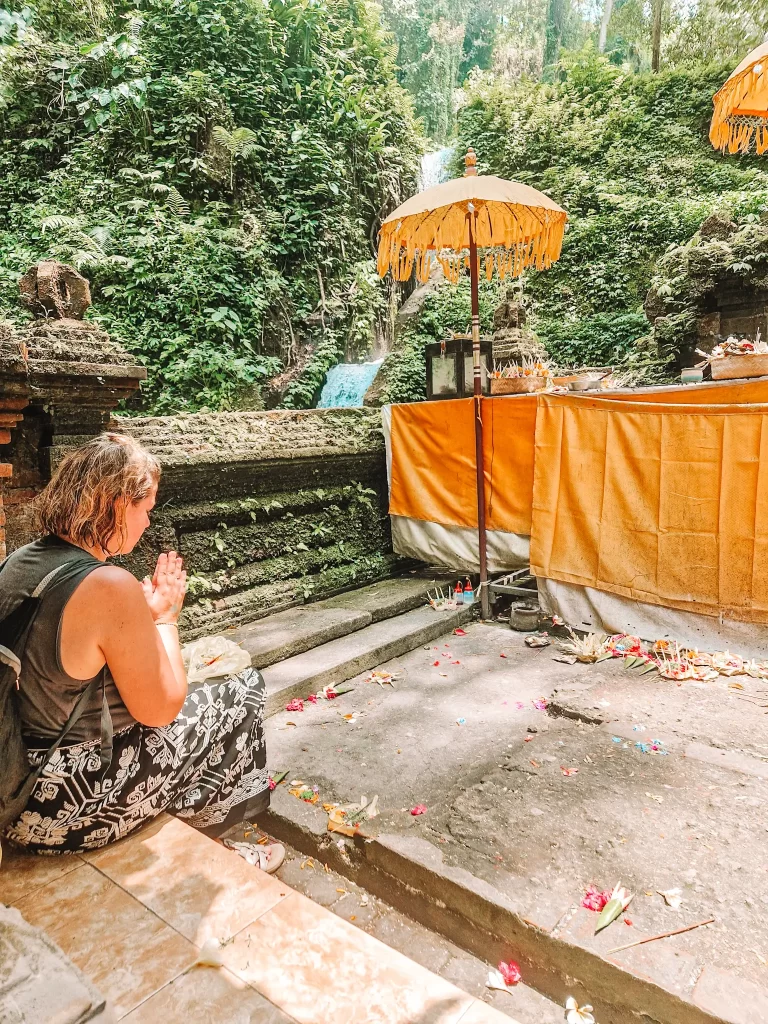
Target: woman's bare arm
<point>109,618</point>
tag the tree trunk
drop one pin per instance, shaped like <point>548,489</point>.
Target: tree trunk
<point>658,11</point>
<point>607,11</point>
<point>554,35</point>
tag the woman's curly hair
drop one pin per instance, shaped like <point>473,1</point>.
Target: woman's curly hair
<point>87,495</point>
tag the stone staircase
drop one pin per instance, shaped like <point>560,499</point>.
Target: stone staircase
<point>303,649</point>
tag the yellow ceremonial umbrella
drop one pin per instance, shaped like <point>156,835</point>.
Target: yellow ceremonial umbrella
<point>514,226</point>
<point>740,120</point>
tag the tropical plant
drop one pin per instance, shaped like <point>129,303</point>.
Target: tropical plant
<point>217,169</point>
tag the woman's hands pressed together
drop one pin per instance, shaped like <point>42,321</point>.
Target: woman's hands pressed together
<point>165,592</point>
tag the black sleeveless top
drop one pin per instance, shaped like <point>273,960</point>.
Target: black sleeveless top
<point>47,693</point>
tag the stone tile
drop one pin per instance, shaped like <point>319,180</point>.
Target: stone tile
<point>317,967</point>
<point>669,968</point>
<point>38,984</point>
<point>207,995</point>
<point>194,884</point>
<point>481,1013</point>
<point>349,908</point>
<point>731,998</point>
<point>21,873</point>
<point>125,950</point>
<point>467,973</point>
<point>546,910</point>
<point>285,634</point>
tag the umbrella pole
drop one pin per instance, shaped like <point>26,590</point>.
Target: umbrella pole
<point>474,276</point>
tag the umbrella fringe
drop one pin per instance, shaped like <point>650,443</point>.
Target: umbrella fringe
<point>526,238</point>
<point>731,131</point>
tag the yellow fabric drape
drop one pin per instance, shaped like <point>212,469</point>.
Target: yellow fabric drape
<point>433,452</point>
<point>433,462</point>
<point>664,504</point>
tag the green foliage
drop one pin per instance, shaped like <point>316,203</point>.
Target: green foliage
<point>207,165</point>
<point>345,332</point>
<point>430,48</point>
<point>402,376</point>
<point>598,340</point>
<point>722,254</point>
<point>627,155</point>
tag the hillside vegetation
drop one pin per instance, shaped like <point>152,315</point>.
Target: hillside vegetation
<point>216,169</point>
<point>628,157</point>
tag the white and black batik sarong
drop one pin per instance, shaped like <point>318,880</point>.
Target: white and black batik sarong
<point>208,767</point>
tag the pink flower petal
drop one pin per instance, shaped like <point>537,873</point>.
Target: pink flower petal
<point>594,899</point>
<point>510,973</point>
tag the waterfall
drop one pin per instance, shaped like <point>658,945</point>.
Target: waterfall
<point>346,384</point>
<point>434,167</point>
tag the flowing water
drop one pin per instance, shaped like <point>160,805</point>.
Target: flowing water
<point>434,167</point>
<point>346,384</point>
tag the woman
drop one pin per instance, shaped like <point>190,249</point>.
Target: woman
<point>199,755</point>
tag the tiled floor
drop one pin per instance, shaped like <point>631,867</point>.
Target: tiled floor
<point>133,916</point>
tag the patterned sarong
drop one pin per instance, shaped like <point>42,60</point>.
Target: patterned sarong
<point>208,767</point>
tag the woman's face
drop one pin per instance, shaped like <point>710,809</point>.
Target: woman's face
<point>136,521</point>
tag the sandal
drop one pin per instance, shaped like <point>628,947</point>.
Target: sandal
<point>268,858</point>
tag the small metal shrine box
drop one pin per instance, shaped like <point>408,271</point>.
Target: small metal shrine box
<point>449,367</point>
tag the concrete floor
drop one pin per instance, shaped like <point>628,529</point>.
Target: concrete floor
<point>500,805</point>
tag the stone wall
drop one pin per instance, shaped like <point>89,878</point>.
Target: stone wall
<point>269,509</point>
<point>59,381</point>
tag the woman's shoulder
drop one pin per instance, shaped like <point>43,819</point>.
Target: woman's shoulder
<point>107,577</point>
<point>107,596</point>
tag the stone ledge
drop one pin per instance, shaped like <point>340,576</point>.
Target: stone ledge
<point>257,436</point>
<point>411,875</point>
<point>730,998</point>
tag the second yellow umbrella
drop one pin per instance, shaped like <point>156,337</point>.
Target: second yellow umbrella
<point>740,119</point>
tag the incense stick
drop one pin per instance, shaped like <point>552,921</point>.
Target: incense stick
<point>664,935</point>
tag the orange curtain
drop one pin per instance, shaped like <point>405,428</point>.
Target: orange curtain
<point>433,462</point>
<point>740,392</point>
<point>665,504</point>
<point>433,452</point>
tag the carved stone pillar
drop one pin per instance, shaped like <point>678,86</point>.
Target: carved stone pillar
<point>60,380</point>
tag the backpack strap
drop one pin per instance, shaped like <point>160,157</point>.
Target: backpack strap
<point>80,705</point>
<point>9,657</point>
<point>29,784</point>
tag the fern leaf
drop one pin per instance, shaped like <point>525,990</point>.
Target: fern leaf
<point>177,202</point>
<point>59,221</point>
<point>222,137</point>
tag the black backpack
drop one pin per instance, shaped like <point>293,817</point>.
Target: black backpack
<point>17,777</point>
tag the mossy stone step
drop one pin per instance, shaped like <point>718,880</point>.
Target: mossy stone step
<point>345,657</point>
<point>293,631</point>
